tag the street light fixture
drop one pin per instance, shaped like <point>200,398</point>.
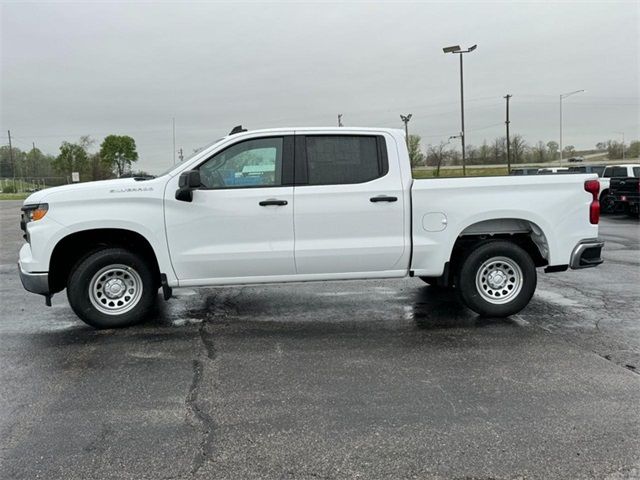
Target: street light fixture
<point>457,50</point>
<point>405,119</point>
<point>562,97</point>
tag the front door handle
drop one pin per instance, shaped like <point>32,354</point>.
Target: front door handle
<point>383,198</point>
<point>272,201</point>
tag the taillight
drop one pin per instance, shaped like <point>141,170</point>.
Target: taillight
<point>593,187</point>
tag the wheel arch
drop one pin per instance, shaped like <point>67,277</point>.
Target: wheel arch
<point>72,248</point>
<point>523,232</point>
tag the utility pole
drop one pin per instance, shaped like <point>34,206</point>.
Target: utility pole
<point>507,122</point>
<point>174,140</point>
<point>180,155</point>
<point>405,119</point>
<point>13,165</point>
<point>340,120</point>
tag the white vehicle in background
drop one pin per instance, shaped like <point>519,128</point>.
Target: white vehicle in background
<point>303,204</point>
<point>615,171</point>
<point>550,170</point>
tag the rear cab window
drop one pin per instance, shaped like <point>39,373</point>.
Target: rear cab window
<point>611,172</point>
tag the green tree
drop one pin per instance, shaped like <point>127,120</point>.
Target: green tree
<point>6,166</point>
<point>73,158</point>
<point>416,157</point>
<point>118,152</point>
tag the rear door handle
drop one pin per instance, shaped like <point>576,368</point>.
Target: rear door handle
<point>272,201</point>
<point>383,198</point>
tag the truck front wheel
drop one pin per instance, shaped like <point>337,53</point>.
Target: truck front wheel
<point>111,288</point>
<point>497,279</point>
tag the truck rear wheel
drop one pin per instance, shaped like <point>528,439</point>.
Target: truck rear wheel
<point>497,279</point>
<point>111,288</point>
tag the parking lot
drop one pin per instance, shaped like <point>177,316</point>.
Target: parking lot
<point>382,379</point>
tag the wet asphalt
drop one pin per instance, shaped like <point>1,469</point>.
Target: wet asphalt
<point>381,379</point>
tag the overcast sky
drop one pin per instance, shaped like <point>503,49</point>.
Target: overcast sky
<point>76,68</point>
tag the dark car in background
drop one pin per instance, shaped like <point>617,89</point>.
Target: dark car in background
<point>524,171</point>
<point>625,193</point>
<point>599,169</point>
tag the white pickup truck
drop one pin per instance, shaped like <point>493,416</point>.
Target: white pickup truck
<point>304,204</point>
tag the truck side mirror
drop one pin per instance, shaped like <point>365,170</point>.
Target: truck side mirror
<point>187,183</point>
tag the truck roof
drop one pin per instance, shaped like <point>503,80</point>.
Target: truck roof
<point>333,129</point>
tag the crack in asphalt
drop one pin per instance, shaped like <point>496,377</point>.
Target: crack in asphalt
<point>607,304</point>
<point>207,423</point>
<point>214,306</point>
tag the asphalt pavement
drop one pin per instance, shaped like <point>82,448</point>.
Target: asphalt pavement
<point>381,379</point>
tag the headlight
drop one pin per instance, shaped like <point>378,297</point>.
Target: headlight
<point>32,213</point>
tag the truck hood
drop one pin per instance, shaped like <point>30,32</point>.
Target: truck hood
<point>92,190</point>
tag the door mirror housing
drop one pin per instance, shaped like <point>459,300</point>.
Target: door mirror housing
<point>187,183</point>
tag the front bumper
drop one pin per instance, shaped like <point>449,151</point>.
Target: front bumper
<point>35,282</point>
<point>586,254</point>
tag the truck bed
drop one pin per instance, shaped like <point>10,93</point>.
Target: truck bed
<point>554,210</point>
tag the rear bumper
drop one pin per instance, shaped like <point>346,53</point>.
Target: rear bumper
<point>588,253</point>
<point>35,282</point>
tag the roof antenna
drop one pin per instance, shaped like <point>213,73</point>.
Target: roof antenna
<point>237,129</point>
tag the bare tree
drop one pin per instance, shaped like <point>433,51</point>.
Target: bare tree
<point>436,155</point>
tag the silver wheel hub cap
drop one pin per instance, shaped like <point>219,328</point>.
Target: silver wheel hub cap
<point>499,280</point>
<point>115,289</point>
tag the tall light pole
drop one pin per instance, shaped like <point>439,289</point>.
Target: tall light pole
<point>562,97</point>
<point>405,119</point>
<point>456,49</point>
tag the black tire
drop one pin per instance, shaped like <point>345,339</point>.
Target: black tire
<point>434,282</point>
<point>485,268</point>
<point>607,203</point>
<point>87,293</point>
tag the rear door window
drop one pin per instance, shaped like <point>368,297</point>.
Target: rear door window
<point>636,172</point>
<point>344,159</point>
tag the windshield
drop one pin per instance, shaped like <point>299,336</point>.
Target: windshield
<point>195,152</point>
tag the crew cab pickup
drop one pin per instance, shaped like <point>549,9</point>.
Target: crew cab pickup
<point>304,204</point>
<point>607,200</point>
